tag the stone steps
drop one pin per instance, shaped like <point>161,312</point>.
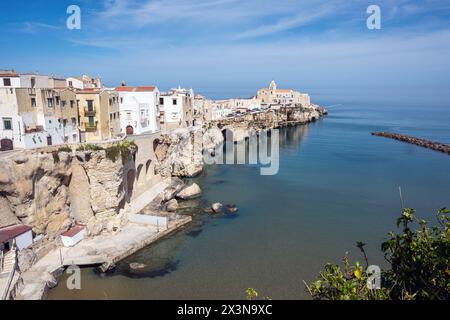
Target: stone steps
<point>8,262</point>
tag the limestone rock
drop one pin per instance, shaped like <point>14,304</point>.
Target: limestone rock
<point>58,224</point>
<point>80,200</point>
<point>26,258</point>
<point>94,227</point>
<point>216,207</point>
<point>172,205</point>
<point>191,192</point>
<point>136,265</point>
<point>176,185</point>
<point>7,217</point>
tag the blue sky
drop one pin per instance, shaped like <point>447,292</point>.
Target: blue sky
<point>210,43</point>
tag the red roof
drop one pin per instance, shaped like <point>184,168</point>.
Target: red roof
<point>9,75</point>
<point>136,89</point>
<point>9,233</point>
<point>74,231</point>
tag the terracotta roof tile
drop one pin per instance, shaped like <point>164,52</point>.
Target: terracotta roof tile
<point>9,233</point>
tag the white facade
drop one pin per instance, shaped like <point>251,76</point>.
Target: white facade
<point>139,109</point>
<point>14,125</point>
<point>24,240</point>
<point>70,241</point>
<point>219,111</point>
<point>75,83</point>
<point>34,81</point>
<point>177,107</point>
<point>11,126</point>
<point>9,79</point>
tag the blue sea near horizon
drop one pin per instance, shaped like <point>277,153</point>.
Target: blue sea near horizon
<point>336,185</point>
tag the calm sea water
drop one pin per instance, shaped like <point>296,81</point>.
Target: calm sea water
<point>336,185</point>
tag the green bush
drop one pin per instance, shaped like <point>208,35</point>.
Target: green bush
<point>89,147</point>
<point>122,149</point>
<point>419,266</point>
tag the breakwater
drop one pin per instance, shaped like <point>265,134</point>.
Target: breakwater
<point>437,146</point>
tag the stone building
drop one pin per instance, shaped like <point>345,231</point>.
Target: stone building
<point>94,113</point>
<point>274,96</point>
<point>177,109</point>
<point>139,109</point>
<point>35,114</point>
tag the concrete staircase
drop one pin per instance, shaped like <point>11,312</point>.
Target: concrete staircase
<point>8,262</point>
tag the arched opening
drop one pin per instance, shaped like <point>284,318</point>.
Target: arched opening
<point>131,176</point>
<point>227,135</point>
<point>155,144</point>
<point>147,166</point>
<point>129,130</point>
<point>139,170</point>
<point>149,170</point>
<point>6,144</point>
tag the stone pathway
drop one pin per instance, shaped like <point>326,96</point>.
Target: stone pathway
<point>92,251</point>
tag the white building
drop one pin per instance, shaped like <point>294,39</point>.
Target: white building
<point>139,109</point>
<point>177,108</point>
<point>33,80</point>
<point>32,118</point>
<point>9,79</point>
<point>219,111</point>
<point>21,234</point>
<point>73,236</point>
<point>274,96</point>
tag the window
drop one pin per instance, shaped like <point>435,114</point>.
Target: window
<point>65,123</point>
<point>57,100</point>
<point>161,100</point>
<point>7,82</point>
<point>50,102</point>
<point>174,102</point>
<point>78,103</point>
<point>90,104</point>
<point>70,84</point>
<point>7,124</point>
<point>91,121</point>
<point>63,104</point>
<point>121,100</point>
<point>74,122</point>
<point>33,102</point>
<point>110,117</point>
<point>72,103</point>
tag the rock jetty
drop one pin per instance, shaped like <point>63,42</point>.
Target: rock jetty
<point>437,146</point>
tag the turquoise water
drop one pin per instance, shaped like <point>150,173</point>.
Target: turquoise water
<point>336,185</point>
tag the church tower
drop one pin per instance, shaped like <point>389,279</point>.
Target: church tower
<point>273,85</point>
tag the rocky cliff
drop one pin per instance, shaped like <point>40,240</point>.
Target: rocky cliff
<point>180,153</point>
<point>51,189</point>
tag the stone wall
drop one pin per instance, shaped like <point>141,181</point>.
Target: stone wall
<point>52,190</point>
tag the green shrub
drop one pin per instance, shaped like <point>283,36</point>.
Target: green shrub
<point>122,149</point>
<point>419,260</point>
<point>65,149</point>
<point>89,147</point>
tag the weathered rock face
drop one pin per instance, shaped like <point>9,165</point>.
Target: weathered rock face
<point>53,191</point>
<point>80,204</point>
<point>7,216</point>
<point>180,153</point>
<point>191,192</point>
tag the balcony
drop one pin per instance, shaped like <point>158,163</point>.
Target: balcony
<point>89,112</point>
<point>90,127</point>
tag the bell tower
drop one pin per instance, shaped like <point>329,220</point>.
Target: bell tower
<point>273,85</point>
